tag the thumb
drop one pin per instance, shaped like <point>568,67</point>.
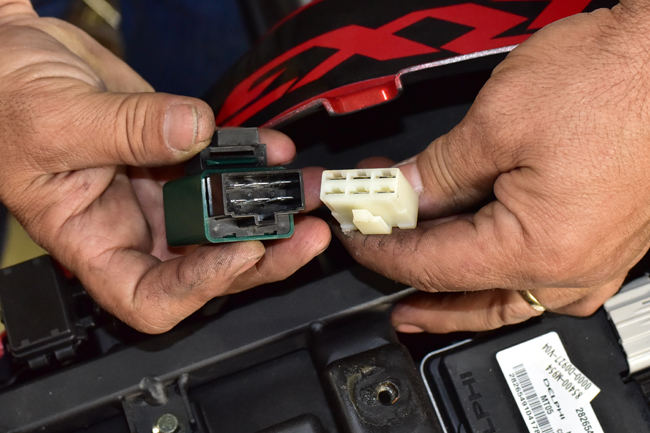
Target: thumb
<point>455,172</point>
<point>139,129</point>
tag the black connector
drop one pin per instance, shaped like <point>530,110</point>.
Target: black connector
<point>255,203</point>
<point>43,326</point>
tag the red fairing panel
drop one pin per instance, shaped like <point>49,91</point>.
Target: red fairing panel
<point>347,56</point>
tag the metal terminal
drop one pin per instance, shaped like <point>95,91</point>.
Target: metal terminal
<point>252,203</point>
<point>262,194</point>
<point>167,423</point>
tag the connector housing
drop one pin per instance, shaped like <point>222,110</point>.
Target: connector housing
<point>629,310</point>
<point>372,201</point>
<point>44,313</point>
<point>234,196</point>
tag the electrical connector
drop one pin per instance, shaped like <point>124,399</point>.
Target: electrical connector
<point>231,194</point>
<point>45,314</point>
<point>629,310</point>
<point>372,201</point>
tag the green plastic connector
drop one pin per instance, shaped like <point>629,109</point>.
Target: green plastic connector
<point>234,196</point>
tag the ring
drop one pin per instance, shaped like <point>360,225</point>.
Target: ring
<point>532,301</point>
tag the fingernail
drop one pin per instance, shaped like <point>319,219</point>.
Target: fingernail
<point>406,161</point>
<point>409,169</point>
<point>181,127</point>
<point>406,328</point>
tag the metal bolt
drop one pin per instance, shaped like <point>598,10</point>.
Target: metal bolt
<point>167,423</point>
<point>387,393</point>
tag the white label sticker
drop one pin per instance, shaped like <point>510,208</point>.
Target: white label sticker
<point>553,396</point>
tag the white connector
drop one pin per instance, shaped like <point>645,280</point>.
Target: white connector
<point>370,200</point>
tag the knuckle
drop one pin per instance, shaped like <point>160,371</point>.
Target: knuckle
<point>210,275</point>
<point>436,171</point>
<point>504,311</point>
<point>421,273</point>
<point>427,280</point>
<point>143,316</point>
<point>132,120</point>
<point>492,105</point>
<point>187,277</point>
<point>151,315</point>
<point>266,274</point>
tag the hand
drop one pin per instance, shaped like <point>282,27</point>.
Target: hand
<point>74,122</point>
<point>555,154</point>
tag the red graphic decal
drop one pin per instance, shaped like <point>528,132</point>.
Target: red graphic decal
<point>556,10</point>
<point>289,17</point>
<point>488,23</point>
<point>348,41</point>
<point>382,44</point>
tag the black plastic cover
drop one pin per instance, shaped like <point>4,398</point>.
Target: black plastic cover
<point>378,391</point>
<point>36,312</point>
<point>473,395</point>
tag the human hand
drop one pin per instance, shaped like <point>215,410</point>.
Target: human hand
<point>555,150</point>
<point>75,121</point>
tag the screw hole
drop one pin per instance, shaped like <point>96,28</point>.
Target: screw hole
<point>387,393</point>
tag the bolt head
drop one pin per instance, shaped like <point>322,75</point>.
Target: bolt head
<point>167,423</point>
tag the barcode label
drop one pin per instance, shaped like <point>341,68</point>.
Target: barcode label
<point>552,394</point>
<point>534,403</point>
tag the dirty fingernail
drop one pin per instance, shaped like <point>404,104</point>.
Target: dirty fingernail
<point>181,127</point>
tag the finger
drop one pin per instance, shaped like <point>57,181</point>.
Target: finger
<point>280,149</point>
<point>468,252</point>
<point>15,8</point>
<point>375,162</point>
<point>452,312</point>
<point>286,256</point>
<point>311,177</point>
<point>492,309</point>
<point>456,171</point>
<point>577,301</point>
<point>153,296</point>
<point>145,129</point>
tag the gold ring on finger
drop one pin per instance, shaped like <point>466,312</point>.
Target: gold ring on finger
<point>532,301</point>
